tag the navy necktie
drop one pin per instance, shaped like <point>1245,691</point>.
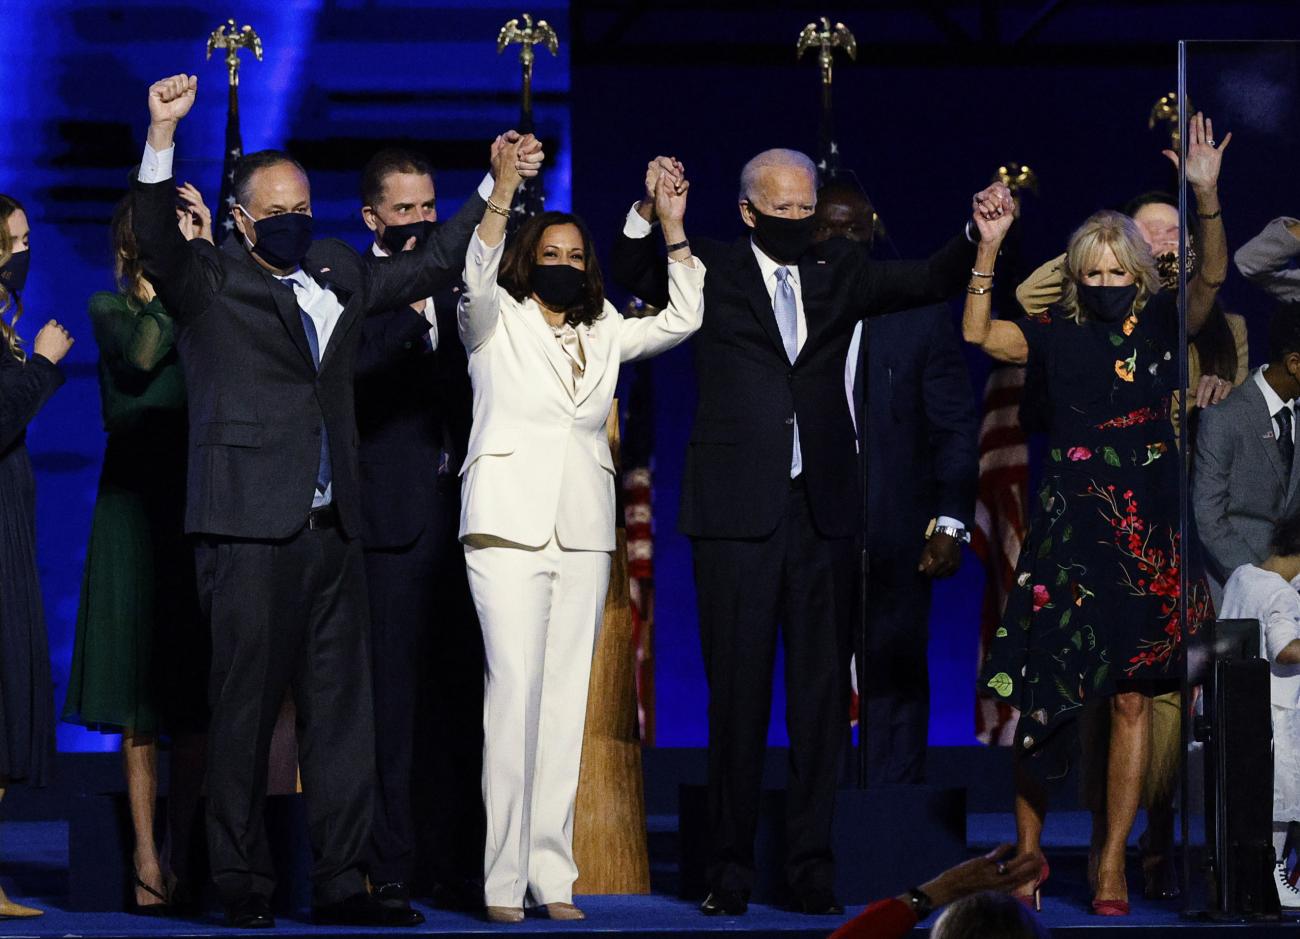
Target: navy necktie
<point>324,472</point>
<point>1285,439</point>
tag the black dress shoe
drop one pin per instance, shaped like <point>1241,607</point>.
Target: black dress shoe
<point>361,909</point>
<point>725,903</point>
<point>817,901</point>
<point>252,912</point>
<point>394,895</point>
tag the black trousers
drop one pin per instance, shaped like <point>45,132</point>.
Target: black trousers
<point>288,614</point>
<point>895,678</point>
<point>427,656</point>
<point>746,587</point>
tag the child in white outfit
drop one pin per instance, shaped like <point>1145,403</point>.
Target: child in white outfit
<point>1264,592</point>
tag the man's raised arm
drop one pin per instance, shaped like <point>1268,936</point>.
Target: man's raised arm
<point>185,273</point>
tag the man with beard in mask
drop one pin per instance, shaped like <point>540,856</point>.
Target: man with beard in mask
<point>413,402</point>
<point>916,419</point>
<point>769,496</point>
<point>266,328</point>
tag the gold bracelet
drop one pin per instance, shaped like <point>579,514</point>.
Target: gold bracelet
<point>978,291</point>
<point>981,273</point>
<point>493,207</point>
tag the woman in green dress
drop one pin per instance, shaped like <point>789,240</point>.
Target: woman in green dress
<point>139,666</point>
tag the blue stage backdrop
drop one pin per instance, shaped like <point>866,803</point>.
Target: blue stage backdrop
<point>339,81</point>
<point>936,101</point>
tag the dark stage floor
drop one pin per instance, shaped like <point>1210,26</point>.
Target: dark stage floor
<point>35,865</point>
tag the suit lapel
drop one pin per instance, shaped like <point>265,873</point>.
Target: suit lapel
<point>537,325</point>
<point>814,279</point>
<point>751,279</point>
<point>595,344</point>
<point>281,294</point>
<point>335,277</point>
<point>1261,424</point>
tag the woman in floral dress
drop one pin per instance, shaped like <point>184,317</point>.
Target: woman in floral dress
<point>1096,611</point>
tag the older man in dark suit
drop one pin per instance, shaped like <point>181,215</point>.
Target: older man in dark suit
<point>770,497</point>
<point>919,433</point>
<point>266,328</point>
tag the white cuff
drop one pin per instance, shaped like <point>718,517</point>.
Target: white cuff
<point>485,187</point>
<point>635,226</point>
<point>946,522</point>
<point>154,166</point>
<point>972,233</point>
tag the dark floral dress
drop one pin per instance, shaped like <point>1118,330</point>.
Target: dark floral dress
<point>1096,598</point>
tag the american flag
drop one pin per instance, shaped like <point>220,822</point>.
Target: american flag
<point>637,450</point>
<point>1001,514</point>
<point>224,223</point>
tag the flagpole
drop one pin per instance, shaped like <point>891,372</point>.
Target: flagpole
<point>826,38</point>
<point>231,40</point>
<point>530,199</point>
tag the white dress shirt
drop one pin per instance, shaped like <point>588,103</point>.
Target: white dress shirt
<point>1254,593</point>
<point>1274,403</point>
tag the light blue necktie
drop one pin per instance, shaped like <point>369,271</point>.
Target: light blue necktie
<point>786,308</point>
<point>324,471</point>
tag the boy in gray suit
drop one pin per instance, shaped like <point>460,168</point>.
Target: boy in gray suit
<point>1245,474</point>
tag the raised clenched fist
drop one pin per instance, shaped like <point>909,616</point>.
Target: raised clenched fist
<point>171,98</point>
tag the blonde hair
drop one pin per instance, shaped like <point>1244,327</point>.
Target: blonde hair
<point>1119,233</point>
<point>8,335</point>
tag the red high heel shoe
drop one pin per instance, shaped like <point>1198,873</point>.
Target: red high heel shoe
<point>1035,898</point>
<point>1110,906</point>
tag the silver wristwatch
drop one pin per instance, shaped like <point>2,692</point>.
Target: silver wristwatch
<point>960,534</point>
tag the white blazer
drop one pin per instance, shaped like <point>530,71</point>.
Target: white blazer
<point>538,463</point>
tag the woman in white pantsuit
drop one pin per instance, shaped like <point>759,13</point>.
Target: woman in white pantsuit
<point>537,518</point>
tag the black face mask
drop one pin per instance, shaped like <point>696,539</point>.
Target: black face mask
<point>283,240</point>
<point>783,239</point>
<point>559,286</point>
<point>1107,304</point>
<point>395,237</point>
<point>13,275</point>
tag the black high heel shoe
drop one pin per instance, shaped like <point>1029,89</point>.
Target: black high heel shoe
<point>161,908</point>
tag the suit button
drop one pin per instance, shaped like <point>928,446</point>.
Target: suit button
<point>789,420</point>
<point>406,345</point>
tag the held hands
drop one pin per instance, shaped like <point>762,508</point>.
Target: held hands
<point>171,99</point>
<point>194,217</point>
<point>670,199</point>
<point>1204,154</point>
<point>660,167</point>
<point>527,156</point>
<point>993,210</point>
<point>52,342</point>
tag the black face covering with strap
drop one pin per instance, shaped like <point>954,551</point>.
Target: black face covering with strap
<point>1107,304</point>
<point>783,239</point>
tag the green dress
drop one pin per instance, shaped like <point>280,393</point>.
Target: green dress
<point>140,659</point>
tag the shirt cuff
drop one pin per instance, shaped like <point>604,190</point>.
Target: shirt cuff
<point>485,187</point>
<point>635,226</point>
<point>156,167</point>
<point>972,233</point>
<point>947,522</point>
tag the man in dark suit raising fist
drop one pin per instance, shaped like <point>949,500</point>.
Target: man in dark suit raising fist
<point>769,497</point>
<point>266,328</point>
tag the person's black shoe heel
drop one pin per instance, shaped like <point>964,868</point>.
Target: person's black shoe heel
<point>725,903</point>
<point>818,901</point>
<point>361,909</point>
<point>250,913</point>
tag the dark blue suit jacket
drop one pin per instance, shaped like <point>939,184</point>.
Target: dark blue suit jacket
<point>412,406</point>
<point>922,440</point>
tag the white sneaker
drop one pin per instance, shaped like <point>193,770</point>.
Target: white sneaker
<point>1287,895</point>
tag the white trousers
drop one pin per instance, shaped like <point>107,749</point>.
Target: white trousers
<point>540,611</point>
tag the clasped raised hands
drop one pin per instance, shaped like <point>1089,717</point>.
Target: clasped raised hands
<point>993,209</point>
<point>516,157</point>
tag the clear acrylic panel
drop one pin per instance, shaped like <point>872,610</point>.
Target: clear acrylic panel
<point>1251,90</point>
